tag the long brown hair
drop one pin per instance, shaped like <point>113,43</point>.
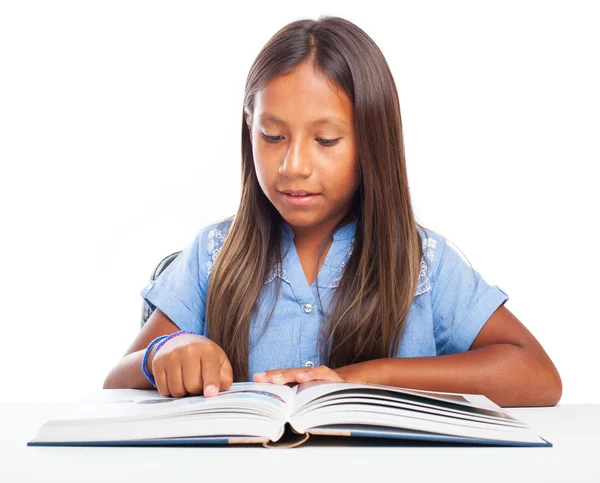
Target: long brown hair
<point>372,301</point>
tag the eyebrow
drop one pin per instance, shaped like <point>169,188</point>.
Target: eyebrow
<point>323,120</point>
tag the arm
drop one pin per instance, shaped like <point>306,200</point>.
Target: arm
<point>505,363</point>
<point>127,373</point>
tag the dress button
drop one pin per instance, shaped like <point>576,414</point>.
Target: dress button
<point>149,286</point>
<point>307,308</point>
<point>309,364</point>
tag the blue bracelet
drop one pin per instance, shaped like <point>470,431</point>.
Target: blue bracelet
<point>181,332</point>
<point>148,376</point>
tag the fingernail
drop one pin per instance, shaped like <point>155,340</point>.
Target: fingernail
<point>302,375</point>
<point>211,390</point>
<point>260,374</point>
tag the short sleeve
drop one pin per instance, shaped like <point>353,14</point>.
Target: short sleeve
<point>180,290</point>
<point>462,301</point>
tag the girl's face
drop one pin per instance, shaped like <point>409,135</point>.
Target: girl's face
<point>294,148</point>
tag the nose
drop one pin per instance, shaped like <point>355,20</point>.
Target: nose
<point>296,162</point>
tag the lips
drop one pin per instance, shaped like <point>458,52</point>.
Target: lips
<point>299,192</point>
<point>301,200</point>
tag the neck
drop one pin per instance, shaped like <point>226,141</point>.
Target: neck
<point>314,235</point>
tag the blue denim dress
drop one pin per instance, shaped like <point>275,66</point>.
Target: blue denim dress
<point>452,301</point>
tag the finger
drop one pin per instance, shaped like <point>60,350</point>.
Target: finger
<point>278,378</point>
<point>313,376</point>
<point>160,379</point>
<point>192,375</point>
<point>211,375</point>
<point>287,376</point>
<point>226,375</point>
<point>320,373</point>
<point>304,376</point>
<point>268,375</point>
<point>175,381</point>
<point>260,376</point>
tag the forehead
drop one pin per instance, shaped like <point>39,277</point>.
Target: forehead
<point>305,97</point>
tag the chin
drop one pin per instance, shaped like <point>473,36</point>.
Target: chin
<point>299,219</point>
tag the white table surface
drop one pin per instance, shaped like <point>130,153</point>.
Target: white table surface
<point>573,429</point>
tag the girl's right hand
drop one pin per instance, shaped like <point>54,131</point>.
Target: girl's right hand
<point>189,365</point>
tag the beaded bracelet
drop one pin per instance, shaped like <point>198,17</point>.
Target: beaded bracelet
<point>148,376</point>
<point>162,339</point>
<point>174,335</point>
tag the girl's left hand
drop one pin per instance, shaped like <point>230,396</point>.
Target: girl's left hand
<point>299,375</point>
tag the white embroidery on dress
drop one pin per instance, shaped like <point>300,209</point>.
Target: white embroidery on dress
<point>338,278</point>
<point>277,271</point>
<point>424,283</point>
<point>216,238</point>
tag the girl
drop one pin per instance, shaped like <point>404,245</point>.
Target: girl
<point>323,272</point>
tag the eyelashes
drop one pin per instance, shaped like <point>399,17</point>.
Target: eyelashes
<point>323,142</point>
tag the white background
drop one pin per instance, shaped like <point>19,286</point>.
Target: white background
<point>120,138</point>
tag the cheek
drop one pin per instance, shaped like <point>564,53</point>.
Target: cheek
<point>342,180</point>
<point>260,174</point>
<point>265,174</point>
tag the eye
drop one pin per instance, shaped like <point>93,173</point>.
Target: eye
<point>328,142</point>
<point>323,142</point>
<point>271,139</point>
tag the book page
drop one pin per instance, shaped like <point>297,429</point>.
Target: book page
<point>368,401</point>
<point>309,391</point>
<point>251,398</point>
<point>147,396</point>
<point>280,391</point>
<point>244,410</point>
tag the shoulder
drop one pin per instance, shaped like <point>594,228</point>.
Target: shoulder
<point>212,237</point>
<point>215,233</point>
<point>433,246</point>
<point>446,271</point>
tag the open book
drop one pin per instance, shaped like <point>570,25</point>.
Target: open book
<point>283,416</point>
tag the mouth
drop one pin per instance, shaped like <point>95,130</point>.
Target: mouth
<point>300,199</point>
<point>298,192</point>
